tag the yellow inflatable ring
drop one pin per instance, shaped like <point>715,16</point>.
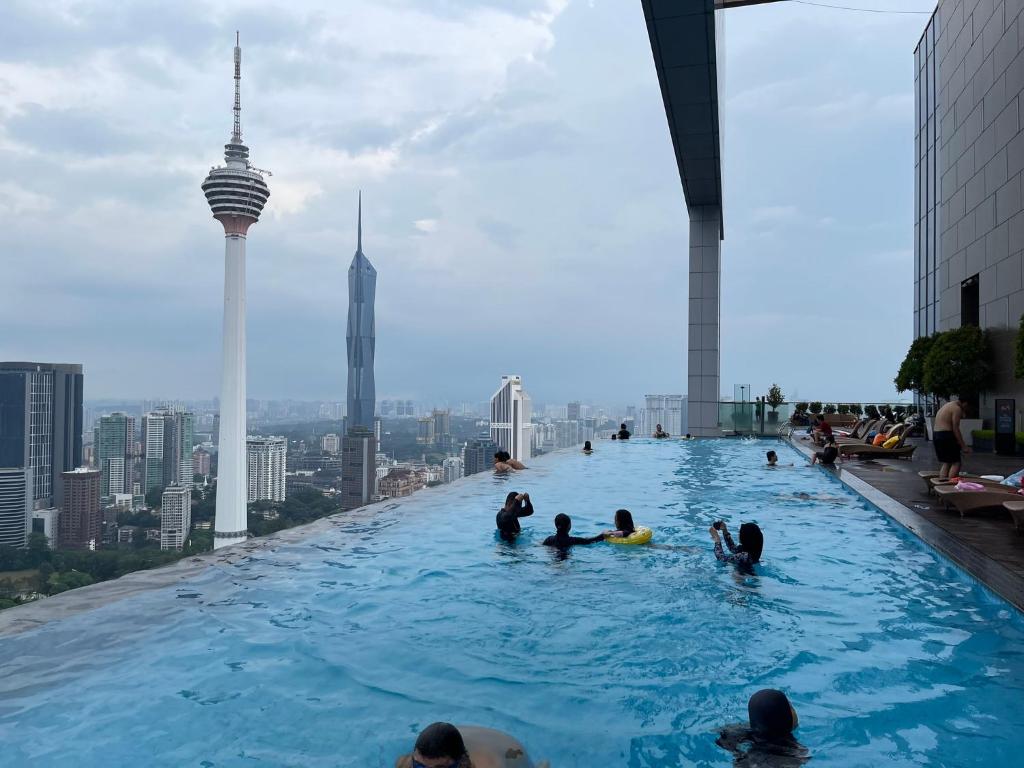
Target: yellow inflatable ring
<point>641,535</point>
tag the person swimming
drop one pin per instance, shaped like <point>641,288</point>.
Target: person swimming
<point>623,524</point>
<point>443,745</point>
<point>767,740</point>
<point>749,550</point>
<point>562,539</point>
<point>587,447</point>
<point>624,434</point>
<point>514,463</point>
<point>659,432</point>
<point>500,465</point>
<point>773,458</point>
<point>516,505</point>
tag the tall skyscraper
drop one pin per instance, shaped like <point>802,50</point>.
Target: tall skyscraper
<point>113,441</point>
<point>236,193</point>
<point>175,516</point>
<point>572,411</point>
<point>425,431</point>
<point>478,455</point>
<point>15,506</point>
<point>361,335</point>
<point>167,441</point>
<point>358,467</point>
<point>268,459</point>
<point>41,424</point>
<point>510,418</point>
<point>80,519</point>
<point>153,449</point>
<point>442,423</point>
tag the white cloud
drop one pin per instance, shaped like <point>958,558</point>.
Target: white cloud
<point>426,225</point>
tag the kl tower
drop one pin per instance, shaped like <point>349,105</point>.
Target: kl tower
<point>236,193</point>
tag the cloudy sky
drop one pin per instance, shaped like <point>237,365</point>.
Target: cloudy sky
<point>521,201</point>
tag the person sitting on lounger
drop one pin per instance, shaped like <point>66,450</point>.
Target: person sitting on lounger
<point>828,456</point>
<point>949,443</point>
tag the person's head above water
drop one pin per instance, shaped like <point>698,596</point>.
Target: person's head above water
<point>622,425</point>
<point>563,523</point>
<point>586,446</point>
<point>771,714</point>
<point>772,458</point>
<point>752,540</point>
<point>510,499</point>
<point>624,521</point>
<point>440,745</point>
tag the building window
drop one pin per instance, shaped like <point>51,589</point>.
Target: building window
<point>969,302</point>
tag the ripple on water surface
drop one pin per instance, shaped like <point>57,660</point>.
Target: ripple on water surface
<point>334,652</point>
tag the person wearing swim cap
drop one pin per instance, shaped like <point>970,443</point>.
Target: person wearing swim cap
<point>767,740</point>
<point>516,505</point>
<point>442,745</point>
<point>562,539</point>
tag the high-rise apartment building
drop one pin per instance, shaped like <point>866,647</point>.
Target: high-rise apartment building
<point>442,423</point>
<point>41,424</point>
<point>572,411</point>
<point>80,520</point>
<point>201,461</point>
<point>15,506</point>
<point>667,410</point>
<point>361,335</point>
<point>478,455</point>
<point>153,451</point>
<point>175,516</point>
<point>510,418</point>
<point>358,465</point>
<point>267,465</point>
<point>453,469</point>
<point>114,439</point>
<point>330,443</point>
<point>167,442</point>
<point>425,433</point>
<point>236,193</point>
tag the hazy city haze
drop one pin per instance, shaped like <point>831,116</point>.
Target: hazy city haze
<point>520,197</point>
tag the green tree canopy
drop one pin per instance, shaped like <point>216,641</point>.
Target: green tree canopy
<point>958,363</point>
<point>911,374</point>
<point>775,397</point>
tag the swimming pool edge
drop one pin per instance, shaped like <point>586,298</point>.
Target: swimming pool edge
<point>975,564</point>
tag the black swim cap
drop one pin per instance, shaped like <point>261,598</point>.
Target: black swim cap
<point>770,713</point>
<point>441,740</point>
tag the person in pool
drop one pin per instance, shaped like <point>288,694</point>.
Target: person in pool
<point>659,432</point>
<point>587,449</point>
<point>827,456</point>
<point>514,463</point>
<point>500,465</point>
<point>442,745</point>
<point>767,740</point>
<point>749,550</point>
<point>773,458</point>
<point>516,505</point>
<point>562,539</point>
<point>624,434</point>
<point>623,525</point>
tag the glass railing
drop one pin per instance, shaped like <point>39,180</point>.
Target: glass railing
<point>760,419</point>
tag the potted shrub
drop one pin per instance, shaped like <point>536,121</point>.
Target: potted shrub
<point>959,363</point>
<point>871,411</point>
<point>983,439</point>
<point>815,407</point>
<point>843,409</point>
<point>830,408</point>
<point>774,400</point>
<point>855,409</point>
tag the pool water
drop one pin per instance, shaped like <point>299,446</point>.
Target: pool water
<point>336,651</point>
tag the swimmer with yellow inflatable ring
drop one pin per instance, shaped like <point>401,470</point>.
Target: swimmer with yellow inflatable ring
<point>626,532</point>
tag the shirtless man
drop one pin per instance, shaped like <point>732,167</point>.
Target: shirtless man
<point>442,745</point>
<point>949,443</point>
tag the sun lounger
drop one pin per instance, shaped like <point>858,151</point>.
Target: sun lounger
<point>937,482</point>
<point>966,502</point>
<point>859,431</point>
<point>1016,510</point>
<point>898,451</point>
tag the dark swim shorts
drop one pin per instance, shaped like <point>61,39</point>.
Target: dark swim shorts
<point>947,449</point>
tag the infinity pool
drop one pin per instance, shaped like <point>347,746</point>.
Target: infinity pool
<point>335,652</point>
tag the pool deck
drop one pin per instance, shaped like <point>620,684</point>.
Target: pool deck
<point>986,545</point>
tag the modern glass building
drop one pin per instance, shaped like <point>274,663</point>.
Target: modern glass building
<point>926,186</point>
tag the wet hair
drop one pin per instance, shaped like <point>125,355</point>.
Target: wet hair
<point>771,455</point>
<point>622,425</point>
<point>504,456</point>
<point>510,498</point>
<point>441,740</point>
<point>624,521</point>
<point>563,522</point>
<point>770,713</point>
<point>613,436</point>
<point>751,540</point>
<point>586,446</point>
<point>687,435</point>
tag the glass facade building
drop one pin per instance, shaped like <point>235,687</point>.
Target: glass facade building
<point>926,187</point>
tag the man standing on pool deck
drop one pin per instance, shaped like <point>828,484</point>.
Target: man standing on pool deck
<point>949,443</point>
<point>516,505</point>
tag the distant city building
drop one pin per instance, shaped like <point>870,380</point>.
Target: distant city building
<point>167,442</point>
<point>113,441</point>
<point>46,522</point>
<point>358,465</point>
<point>442,422</point>
<point>400,482</point>
<point>175,516</point>
<point>377,428</point>
<point>572,411</point>
<point>267,465</point>
<point>425,434</point>
<point>330,443</point>
<point>201,462</point>
<point>387,408</point>
<point>453,469</point>
<point>667,410</point>
<point>510,418</point>
<point>41,424</point>
<point>405,408</point>
<point>80,519</point>
<point>478,455</point>
<point>361,334</point>
<point>15,506</point>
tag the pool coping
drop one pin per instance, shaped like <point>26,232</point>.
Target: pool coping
<point>975,564</point>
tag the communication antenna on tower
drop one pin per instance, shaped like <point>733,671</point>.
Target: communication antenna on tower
<point>236,136</point>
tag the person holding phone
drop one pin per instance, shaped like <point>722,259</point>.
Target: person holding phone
<point>516,505</point>
<point>749,550</point>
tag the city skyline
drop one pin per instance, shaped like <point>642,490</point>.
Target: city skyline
<point>521,120</point>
